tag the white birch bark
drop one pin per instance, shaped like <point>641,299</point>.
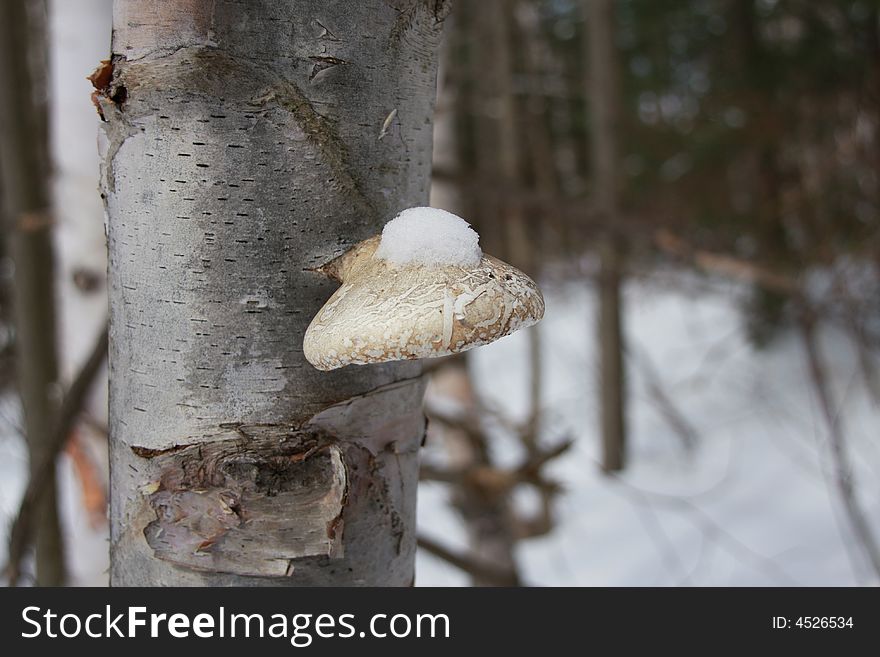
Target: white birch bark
<point>247,142</point>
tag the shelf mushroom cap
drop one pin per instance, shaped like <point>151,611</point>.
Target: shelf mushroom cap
<point>386,311</point>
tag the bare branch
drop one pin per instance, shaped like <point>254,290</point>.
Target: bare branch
<point>727,265</point>
<point>477,569</point>
<point>20,534</point>
<point>667,408</point>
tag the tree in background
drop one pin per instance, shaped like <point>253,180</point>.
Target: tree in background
<point>24,172</point>
<point>744,127</point>
<point>604,95</point>
<point>246,146</point>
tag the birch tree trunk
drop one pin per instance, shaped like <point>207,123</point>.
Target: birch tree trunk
<point>247,143</point>
<point>24,178</point>
<point>604,94</point>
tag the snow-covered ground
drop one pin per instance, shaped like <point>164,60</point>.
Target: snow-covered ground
<point>750,505</point>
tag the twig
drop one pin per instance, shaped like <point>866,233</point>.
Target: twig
<point>843,472</point>
<point>465,422</point>
<point>667,408</point>
<point>530,469</point>
<point>492,483</point>
<point>428,472</point>
<point>498,481</point>
<point>474,567</point>
<point>727,265</point>
<point>20,534</point>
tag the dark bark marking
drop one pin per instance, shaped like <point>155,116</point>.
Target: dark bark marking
<point>383,499</point>
<point>441,9</point>
<point>146,453</point>
<point>407,11</point>
<point>322,133</point>
<point>326,34</point>
<point>323,63</point>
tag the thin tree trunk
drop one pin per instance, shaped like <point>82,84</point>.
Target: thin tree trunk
<point>520,240</point>
<point>246,144</point>
<point>539,150</point>
<point>477,106</point>
<point>488,519</point>
<point>447,194</point>
<point>604,93</point>
<point>26,196</point>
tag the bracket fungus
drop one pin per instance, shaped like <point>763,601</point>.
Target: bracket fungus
<point>421,289</point>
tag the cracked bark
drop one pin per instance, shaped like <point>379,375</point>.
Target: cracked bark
<point>241,153</point>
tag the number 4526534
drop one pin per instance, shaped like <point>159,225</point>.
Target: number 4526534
<point>823,622</point>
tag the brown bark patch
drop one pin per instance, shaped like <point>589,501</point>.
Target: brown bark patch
<point>102,80</point>
<point>249,507</point>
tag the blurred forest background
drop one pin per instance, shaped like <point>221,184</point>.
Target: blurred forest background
<point>695,186</point>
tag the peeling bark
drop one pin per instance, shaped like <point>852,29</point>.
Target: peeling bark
<point>230,507</point>
<point>241,153</point>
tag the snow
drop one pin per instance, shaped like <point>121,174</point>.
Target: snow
<point>753,503</point>
<point>429,237</point>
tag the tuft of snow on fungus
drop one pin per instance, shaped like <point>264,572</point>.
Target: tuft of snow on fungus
<point>430,237</point>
